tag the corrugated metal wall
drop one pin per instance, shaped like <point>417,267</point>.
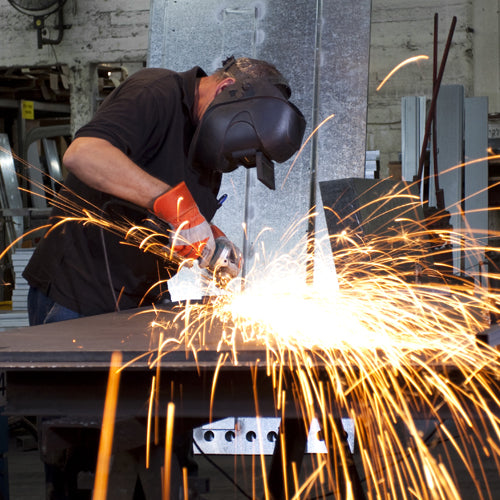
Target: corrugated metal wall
<point>322,47</point>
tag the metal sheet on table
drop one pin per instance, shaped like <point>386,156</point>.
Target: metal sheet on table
<point>89,342</point>
<point>61,369</point>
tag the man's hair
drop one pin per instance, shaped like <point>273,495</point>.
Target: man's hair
<point>247,69</point>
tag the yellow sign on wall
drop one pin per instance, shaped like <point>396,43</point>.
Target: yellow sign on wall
<point>28,110</point>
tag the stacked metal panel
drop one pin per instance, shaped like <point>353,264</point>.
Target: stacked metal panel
<point>462,163</point>
<point>18,316</point>
<point>20,259</point>
<point>372,164</point>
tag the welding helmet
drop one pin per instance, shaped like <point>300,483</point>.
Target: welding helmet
<point>250,123</point>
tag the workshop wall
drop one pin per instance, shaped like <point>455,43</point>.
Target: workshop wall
<point>400,32</point>
<point>109,31</point>
<point>116,31</point>
<point>403,29</point>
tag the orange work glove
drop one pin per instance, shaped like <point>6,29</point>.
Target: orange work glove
<point>192,236</point>
<point>217,232</point>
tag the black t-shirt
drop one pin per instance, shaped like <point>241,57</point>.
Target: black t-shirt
<point>91,270</point>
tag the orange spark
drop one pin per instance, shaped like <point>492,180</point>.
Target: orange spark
<point>107,430</point>
<point>150,413</point>
<point>169,443</point>
<point>379,340</point>
<point>299,152</point>
<point>399,66</point>
<point>185,483</point>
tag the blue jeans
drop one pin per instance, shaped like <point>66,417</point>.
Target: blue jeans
<point>42,309</point>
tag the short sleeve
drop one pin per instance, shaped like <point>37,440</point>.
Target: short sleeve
<point>134,119</point>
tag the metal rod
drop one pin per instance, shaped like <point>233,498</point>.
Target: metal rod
<point>434,98</point>
<point>311,221</point>
<point>250,175</point>
<point>434,76</point>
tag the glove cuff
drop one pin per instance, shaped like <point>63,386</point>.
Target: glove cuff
<point>217,232</point>
<point>174,205</point>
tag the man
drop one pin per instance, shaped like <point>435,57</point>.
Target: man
<point>134,157</point>
<point>157,147</point>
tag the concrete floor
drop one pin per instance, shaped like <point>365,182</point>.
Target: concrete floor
<point>26,477</point>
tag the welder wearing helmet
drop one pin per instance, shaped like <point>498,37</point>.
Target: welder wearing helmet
<point>158,144</point>
<point>156,148</point>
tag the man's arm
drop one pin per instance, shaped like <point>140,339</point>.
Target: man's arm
<point>102,166</point>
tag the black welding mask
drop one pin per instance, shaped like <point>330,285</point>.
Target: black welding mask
<point>252,124</point>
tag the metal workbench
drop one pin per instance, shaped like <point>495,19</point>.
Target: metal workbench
<point>61,369</point>
<point>45,363</point>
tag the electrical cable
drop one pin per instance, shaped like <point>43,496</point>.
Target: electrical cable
<point>222,471</point>
<point>108,269</point>
<point>105,208</point>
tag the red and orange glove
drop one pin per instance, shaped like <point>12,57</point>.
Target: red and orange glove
<point>217,232</point>
<point>192,236</point>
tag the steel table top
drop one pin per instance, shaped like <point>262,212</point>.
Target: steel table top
<point>62,368</point>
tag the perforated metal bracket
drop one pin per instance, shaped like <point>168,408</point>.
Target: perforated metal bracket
<point>254,436</point>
